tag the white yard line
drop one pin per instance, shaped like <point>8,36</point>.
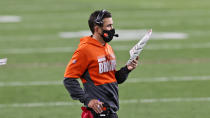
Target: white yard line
<point>115,47</point>
<point>129,80</point>
<point>164,46</point>
<point>130,101</point>
<point>154,100</point>
<point>129,35</point>
<point>3,61</point>
<point>32,83</point>
<point>36,50</point>
<point>39,104</point>
<point>166,79</point>
<point>9,19</point>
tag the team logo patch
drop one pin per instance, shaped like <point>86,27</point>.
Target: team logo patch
<point>106,65</point>
<point>74,61</point>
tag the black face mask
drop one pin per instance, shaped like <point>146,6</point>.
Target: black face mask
<point>107,35</point>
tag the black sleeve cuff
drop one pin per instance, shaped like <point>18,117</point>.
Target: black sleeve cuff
<point>122,74</point>
<point>85,99</point>
<point>125,69</point>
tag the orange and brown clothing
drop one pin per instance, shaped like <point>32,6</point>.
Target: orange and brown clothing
<point>95,65</point>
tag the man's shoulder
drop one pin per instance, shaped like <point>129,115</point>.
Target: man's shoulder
<point>83,45</point>
<point>83,41</point>
<point>109,47</point>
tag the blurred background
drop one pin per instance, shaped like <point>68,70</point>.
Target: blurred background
<point>172,80</point>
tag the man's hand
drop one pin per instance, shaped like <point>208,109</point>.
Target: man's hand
<point>133,64</point>
<point>96,105</point>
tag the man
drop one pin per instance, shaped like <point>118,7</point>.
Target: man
<point>95,64</point>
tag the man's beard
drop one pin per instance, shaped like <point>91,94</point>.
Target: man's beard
<point>108,35</point>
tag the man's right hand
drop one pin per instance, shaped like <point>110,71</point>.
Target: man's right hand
<point>96,105</point>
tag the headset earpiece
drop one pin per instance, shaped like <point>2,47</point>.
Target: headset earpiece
<point>99,18</point>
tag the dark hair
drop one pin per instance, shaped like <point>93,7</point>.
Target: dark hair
<point>95,18</point>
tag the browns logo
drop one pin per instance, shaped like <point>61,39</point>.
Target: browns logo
<point>106,65</point>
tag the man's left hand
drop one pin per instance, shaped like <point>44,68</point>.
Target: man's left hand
<point>133,64</point>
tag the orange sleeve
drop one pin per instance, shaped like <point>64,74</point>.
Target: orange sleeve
<point>77,65</point>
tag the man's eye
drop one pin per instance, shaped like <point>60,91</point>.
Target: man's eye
<point>109,26</point>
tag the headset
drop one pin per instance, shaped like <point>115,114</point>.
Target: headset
<point>99,18</point>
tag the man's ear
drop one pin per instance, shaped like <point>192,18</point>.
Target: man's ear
<point>97,29</point>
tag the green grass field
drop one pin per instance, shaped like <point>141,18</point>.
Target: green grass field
<point>34,51</point>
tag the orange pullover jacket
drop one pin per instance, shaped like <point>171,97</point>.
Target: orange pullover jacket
<point>95,65</point>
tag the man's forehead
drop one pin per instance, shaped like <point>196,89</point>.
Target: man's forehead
<point>108,21</point>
